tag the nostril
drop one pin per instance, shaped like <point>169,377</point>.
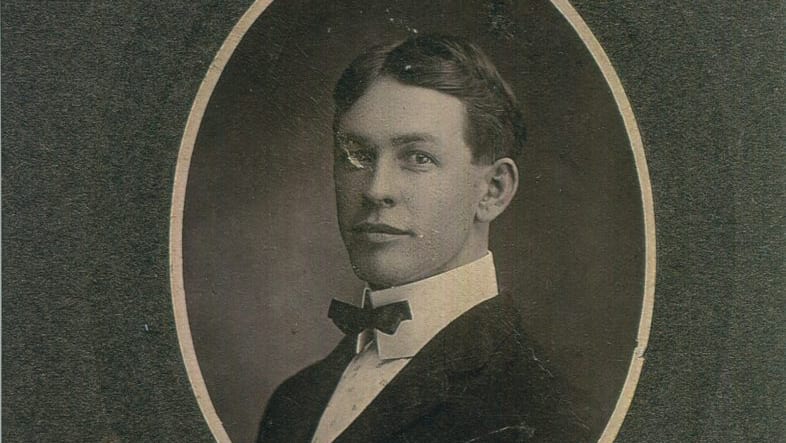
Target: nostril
<point>371,201</point>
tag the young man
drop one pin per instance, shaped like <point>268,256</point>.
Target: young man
<point>426,133</point>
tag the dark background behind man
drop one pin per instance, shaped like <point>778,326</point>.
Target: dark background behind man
<point>426,134</point>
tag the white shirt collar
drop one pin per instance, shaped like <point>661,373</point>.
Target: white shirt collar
<point>434,302</point>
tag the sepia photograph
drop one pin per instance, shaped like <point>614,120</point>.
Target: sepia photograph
<point>414,223</point>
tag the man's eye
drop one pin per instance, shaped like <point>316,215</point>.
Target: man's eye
<point>420,158</point>
<point>359,158</point>
<point>362,156</point>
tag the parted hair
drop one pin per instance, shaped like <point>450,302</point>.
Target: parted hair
<point>451,65</point>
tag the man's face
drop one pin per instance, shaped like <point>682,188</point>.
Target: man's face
<point>406,187</point>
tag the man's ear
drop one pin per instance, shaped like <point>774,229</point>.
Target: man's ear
<point>501,183</point>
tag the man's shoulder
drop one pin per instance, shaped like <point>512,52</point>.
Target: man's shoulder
<point>496,371</point>
<point>299,400</point>
<point>308,379</point>
<point>489,331</point>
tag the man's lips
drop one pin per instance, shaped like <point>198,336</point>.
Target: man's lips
<point>378,228</point>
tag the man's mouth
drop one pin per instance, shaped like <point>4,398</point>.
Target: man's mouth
<point>379,232</point>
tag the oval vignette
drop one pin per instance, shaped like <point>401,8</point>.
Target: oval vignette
<point>255,253</point>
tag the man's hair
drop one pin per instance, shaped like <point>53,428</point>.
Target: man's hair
<point>451,65</point>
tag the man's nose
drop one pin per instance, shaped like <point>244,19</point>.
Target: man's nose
<point>382,187</point>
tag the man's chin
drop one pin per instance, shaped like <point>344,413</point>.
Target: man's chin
<point>385,272</point>
<point>377,279</point>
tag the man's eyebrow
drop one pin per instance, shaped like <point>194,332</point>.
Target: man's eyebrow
<point>344,137</point>
<point>414,138</point>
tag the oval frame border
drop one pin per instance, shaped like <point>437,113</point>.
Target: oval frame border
<point>182,167</point>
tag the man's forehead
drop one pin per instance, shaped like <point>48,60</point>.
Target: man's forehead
<point>402,139</point>
<point>393,112</point>
<point>394,95</point>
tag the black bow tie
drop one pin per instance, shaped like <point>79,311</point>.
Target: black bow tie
<point>353,320</point>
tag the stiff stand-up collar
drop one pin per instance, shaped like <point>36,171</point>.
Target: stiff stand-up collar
<point>434,302</point>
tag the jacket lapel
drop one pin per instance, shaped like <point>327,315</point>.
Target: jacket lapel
<point>330,370</point>
<point>424,383</point>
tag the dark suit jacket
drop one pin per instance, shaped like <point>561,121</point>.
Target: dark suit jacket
<point>477,380</point>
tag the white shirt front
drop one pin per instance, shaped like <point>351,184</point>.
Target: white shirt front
<point>434,302</point>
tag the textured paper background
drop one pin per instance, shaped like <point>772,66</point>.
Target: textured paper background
<point>94,99</point>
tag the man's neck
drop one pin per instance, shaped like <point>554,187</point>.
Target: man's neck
<point>434,302</point>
